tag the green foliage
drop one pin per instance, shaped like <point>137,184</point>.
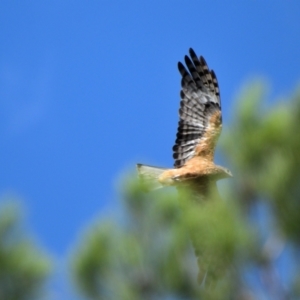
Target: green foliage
<point>150,255</point>
<point>264,149</point>
<point>23,268</point>
<point>141,258</point>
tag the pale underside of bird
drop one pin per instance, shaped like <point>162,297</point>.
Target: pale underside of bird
<point>200,124</point>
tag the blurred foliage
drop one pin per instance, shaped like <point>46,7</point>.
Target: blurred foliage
<point>150,252</point>
<point>23,268</point>
<point>149,255</point>
<point>146,256</point>
<point>263,147</point>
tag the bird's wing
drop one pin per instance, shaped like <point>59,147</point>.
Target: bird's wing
<point>195,193</point>
<point>200,120</point>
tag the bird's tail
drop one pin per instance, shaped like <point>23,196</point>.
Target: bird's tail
<point>149,176</point>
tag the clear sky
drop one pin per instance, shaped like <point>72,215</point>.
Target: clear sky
<point>89,88</point>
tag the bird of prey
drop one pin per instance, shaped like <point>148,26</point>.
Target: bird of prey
<point>200,124</point>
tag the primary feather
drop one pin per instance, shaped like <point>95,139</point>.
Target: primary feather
<point>200,100</point>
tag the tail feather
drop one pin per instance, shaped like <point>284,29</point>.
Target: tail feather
<point>149,176</point>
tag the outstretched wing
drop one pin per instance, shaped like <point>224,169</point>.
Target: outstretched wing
<point>200,120</point>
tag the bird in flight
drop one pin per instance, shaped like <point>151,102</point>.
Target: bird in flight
<point>200,124</point>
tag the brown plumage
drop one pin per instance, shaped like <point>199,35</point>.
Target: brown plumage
<point>200,124</point>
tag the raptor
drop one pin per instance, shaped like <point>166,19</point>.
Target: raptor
<point>200,124</point>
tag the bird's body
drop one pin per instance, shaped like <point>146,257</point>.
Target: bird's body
<point>199,127</point>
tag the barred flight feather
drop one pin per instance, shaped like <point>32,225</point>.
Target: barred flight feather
<point>184,145</point>
<point>200,100</point>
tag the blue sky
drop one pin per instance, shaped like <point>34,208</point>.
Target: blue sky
<point>89,88</point>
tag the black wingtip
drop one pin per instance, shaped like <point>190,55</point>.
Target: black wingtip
<point>181,68</point>
<point>187,60</point>
<point>202,60</point>
<point>192,52</point>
